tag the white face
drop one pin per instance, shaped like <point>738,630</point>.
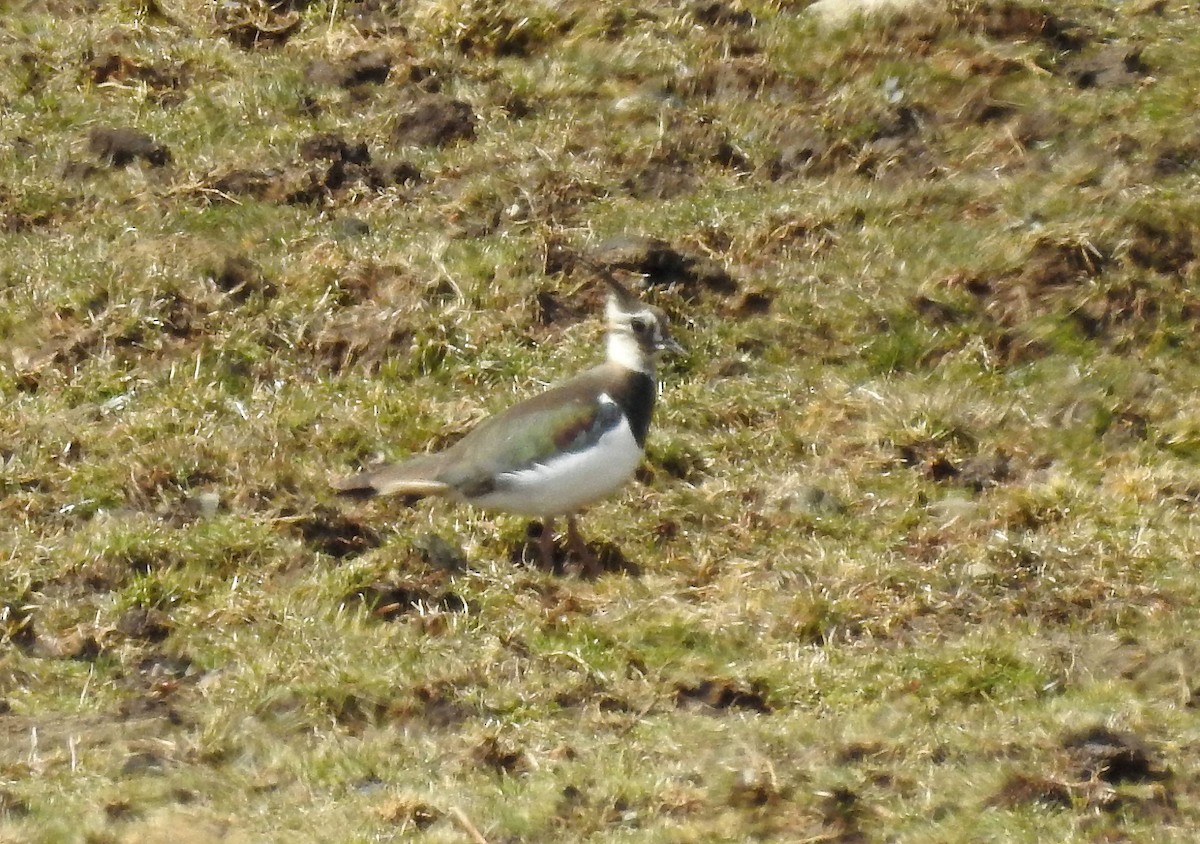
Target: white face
<point>636,336</point>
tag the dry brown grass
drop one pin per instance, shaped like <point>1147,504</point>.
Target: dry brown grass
<point>912,555</point>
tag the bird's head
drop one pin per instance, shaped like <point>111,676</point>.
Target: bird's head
<point>637,333</point>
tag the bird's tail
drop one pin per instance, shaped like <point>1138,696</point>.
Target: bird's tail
<point>416,476</point>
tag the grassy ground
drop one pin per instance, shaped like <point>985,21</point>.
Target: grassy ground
<point>913,557</point>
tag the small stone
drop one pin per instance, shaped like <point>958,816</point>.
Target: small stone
<point>205,504</point>
<point>979,570</point>
<point>843,12</point>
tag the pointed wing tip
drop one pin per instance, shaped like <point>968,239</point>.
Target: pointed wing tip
<point>355,486</point>
<point>388,481</point>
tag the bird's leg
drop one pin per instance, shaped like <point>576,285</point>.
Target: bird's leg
<point>588,562</point>
<point>546,544</point>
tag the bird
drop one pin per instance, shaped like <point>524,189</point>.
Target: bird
<point>557,452</point>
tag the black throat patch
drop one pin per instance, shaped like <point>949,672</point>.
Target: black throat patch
<point>635,394</point>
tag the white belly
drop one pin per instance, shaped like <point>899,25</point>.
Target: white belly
<point>569,483</point>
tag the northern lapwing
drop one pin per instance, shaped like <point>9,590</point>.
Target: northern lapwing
<point>555,453</point>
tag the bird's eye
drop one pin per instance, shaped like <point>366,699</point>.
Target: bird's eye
<point>640,325</point>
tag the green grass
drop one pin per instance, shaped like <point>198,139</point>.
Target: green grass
<point>919,504</point>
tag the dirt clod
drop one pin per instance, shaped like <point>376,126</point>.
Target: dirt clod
<point>406,811</point>
<point>936,312</point>
<point>721,695</point>
<point>1114,65</point>
<point>158,666</point>
<point>330,532</point>
<point>1014,21</point>
<point>251,25</point>
<point>13,806</point>
<point>345,170</point>
<point>16,624</point>
<point>362,336</point>
<point>361,68</point>
<point>343,175</point>
<point>112,66</point>
<point>1111,756</point>
<point>499,756</point>
<point>267,183</point>
<point>720,13</point>
<point>662,178</point>
<point>121,146</point>
<point>435,121</point>
<point>1022,789</point>
<point>240,278</point>
<point>931,458</point>
<point>842,809</point>
<point>754,788</point>
<point>1167,246</point>
<point>119,810</point>
<point>441,705</point>
<point>752,303</point>
<point>440,553</point>
<point>148,624</point>
<point>144,762</point>
<point>985,470</point>
<point>663,264</point>
<point>334,147</point>
<point>390,601</point>
<point>1061,263</point>
<point>78,644</point>
<point>1176,156</point>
